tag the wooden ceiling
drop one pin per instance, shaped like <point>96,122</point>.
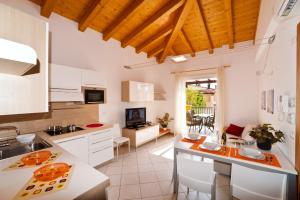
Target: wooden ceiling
<point>163,28</point>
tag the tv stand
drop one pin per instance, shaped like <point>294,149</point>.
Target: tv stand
<point>141,135</point>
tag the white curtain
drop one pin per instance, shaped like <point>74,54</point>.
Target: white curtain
<point>180,103</point>
<point>220,92</point>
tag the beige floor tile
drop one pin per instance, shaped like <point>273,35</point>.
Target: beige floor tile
<point>148,177</point>
<point>154,198</point>
<point>129,169</point>
<point>222,180</point>
<point>223,193</point>
<point>130,179</point>
<point>113,193</point>
<point>166,187</point>
<point>130,192</point>
<point>115,180</point>
<point>150,190</point>
<point>144,161</point>
<point>160,166</point>
<point>113,170</point>
<point>164,175</point>
<point>145,168</point>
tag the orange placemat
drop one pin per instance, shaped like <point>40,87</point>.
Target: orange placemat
<point>34,188</point>
<point>272,161</point>
<point>20,164</point>
<point>224,151</point>
<point>200,141</point>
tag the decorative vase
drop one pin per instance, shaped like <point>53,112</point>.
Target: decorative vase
<point>266,145</point>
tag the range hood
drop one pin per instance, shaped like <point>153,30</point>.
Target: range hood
<point>17,58</point>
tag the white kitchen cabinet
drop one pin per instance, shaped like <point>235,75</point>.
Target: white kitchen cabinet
<point>91,78</point>
<point>133,91</point>
<point>24,94</point>
<point>65,83</point>
<point>65,77</point>
<point>76,146</point>
<point>94,148</point>
<point>100,147</point>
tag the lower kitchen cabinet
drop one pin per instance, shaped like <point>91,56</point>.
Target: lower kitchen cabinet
<point>94,148</point>
<point>76,146</point>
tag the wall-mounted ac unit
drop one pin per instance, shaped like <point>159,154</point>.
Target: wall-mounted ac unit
<point>285,8</point>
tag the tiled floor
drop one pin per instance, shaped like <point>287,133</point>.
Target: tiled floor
<point>147,174</point>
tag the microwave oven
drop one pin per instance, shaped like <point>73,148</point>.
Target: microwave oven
<point>94,95</point>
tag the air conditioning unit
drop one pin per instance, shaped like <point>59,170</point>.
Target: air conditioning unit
<point>285,8</point>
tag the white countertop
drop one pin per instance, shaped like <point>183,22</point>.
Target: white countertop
<point>84,176</point>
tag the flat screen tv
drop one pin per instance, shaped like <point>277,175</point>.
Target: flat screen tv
<point>135,117</point>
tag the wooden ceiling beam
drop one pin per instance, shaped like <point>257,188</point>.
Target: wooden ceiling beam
<point>204,25</point>
<point>182,35</point>
<point>165,11</point>
<point>155,51</point>
<point>162,33</point>
<point>121,19</point>
<point>228,13</point>
<point>47,7</point>
<point>89,15</point>
<point>184,12</point>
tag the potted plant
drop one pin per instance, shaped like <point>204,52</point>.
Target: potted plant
<point>266,135</point>
<point>164,121</point>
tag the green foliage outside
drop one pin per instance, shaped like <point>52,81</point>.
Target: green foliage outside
<point>194,97</point>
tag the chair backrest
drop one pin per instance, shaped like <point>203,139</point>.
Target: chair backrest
<point>247,183</point>
<point>195,174</point>
<point>116,130</point>
<point>189,116</point>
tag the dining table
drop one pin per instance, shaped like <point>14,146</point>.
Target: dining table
<point>229,153</point>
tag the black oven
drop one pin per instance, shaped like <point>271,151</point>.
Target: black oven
<point>94,95</point>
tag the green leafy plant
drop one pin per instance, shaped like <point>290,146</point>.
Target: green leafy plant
<point>266,133</point>
<point>164,121</point>
<point>194,97</point>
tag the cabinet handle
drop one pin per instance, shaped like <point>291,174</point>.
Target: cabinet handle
<point>105,139</point>
<point>100,132</point>
<point>102,149</point>
<point>64,89</point>
<point>70,140</point>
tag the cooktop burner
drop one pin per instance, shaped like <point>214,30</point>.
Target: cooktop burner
<point>58,130</point>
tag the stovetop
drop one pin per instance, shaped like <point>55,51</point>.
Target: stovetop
<point>11,147</point>
<point>59,130</point>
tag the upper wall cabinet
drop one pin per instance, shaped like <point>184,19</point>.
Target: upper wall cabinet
<point>92,78</point>
<point>133,91</point>
<point>28,93</point>
<point>65,83</point>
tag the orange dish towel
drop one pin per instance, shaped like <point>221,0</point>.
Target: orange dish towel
<point>272,159</point>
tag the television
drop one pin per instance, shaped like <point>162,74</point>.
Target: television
<point>135,117</point>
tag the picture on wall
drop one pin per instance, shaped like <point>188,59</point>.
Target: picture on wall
<point>270,101</point>
<point>263,100</point>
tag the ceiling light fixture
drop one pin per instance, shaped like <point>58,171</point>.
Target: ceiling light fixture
<point>178,59</point>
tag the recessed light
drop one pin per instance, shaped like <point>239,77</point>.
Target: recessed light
<point>179,59</point>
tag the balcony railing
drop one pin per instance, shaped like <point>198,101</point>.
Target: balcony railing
<point>203,110</point>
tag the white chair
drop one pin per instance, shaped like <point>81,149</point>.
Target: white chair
<point>119,139</point>
<point>197,175</point>
<point>249,184</point>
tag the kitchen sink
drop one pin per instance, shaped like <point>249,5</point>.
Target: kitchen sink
<point>11,147</point>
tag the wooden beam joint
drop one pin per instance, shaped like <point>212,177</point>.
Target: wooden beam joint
<point>47,7</point>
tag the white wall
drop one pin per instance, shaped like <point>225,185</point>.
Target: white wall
<point>280,67</point>
<point>87,50</point>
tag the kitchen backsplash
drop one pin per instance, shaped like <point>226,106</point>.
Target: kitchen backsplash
<point>59,114</point>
